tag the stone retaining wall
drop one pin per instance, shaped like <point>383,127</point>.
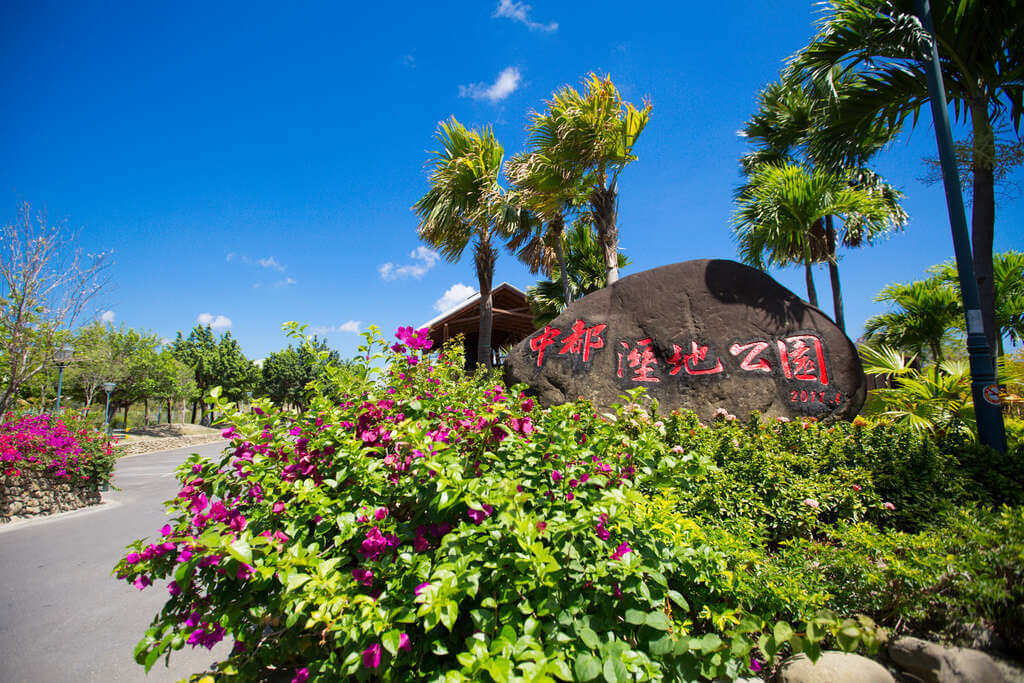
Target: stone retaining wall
<point>33,493</point>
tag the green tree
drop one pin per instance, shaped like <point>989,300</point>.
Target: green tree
<point>792,124</point>
<point>1008,268</point>
<point>585,267</point>
<point>285,374</point>
<point>589,138</point>
<point>45,283</point>
<point>981,51</point>
<point>215,362</point>
<point>465,203</point>
<point>924,314</point>
<point>780,212</point>
<point>94,363</point>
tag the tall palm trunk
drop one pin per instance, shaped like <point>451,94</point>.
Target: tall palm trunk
<point>557,228</point>
<point>484,257</point>
<point>833,273</point>
<point>983,216</point>
<point>812,295</point>
<point>602,201</point>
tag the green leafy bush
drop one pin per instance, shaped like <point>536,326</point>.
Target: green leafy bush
<point>433,526</point>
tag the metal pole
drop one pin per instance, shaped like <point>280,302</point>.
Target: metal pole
<point>984,385</point>
<point>106,416</point>
<point>60,383</point>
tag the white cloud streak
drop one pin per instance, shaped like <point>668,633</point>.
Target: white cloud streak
<point>423,260</point>
<point>270,262</point>
<point>506,84</point>
<point>350,326</point>
<point>455,295</point>
<point>107,316</point>
<point>287,282</point>
<point>216,322</point>
<point>520,11</point>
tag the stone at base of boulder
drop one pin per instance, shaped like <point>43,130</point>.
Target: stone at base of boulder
<point>833,667</point>
<point>934,663</point>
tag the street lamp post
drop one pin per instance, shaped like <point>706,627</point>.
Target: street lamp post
<point>62,358</point>
<point>107,387</point>
<point>984,382</point>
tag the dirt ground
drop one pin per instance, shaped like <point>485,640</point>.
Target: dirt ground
<point>165,437</point>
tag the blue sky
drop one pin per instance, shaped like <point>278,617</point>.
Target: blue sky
<point>252,163</point>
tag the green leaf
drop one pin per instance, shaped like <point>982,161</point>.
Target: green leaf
<point>296,580</point>
<point>679,600</point>
<point>588,637</point>
<point>614,670</point>
<point>241,551</point>
<point>635,616</point>
<point>390,641</point>
<point>658,620</point>
<point>663,645</point>
<point>586,667</point>
<point>709,643</point>
<point>782,632</point>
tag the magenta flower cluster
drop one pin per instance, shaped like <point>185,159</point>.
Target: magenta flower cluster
<point>47,442</point>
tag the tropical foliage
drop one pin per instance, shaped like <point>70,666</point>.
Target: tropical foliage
<point>466,203</point>
<point>585,269</point>
<point>981,49</point>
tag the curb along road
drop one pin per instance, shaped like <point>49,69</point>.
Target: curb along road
<point>63,615</point>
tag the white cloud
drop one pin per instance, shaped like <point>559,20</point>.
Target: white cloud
<point>107,316</point>
<point>217,322</point>
<point>520,11</point>
<point>424,259</point>
<point>503,86</point>
<point>270,262</point>
<point>409,61</point>
<point>456,294</point>
<point>351,326</point>
<point>230,257</point>
<point>287,282</point>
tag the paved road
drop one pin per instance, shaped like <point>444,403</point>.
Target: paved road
<point>63,615</point>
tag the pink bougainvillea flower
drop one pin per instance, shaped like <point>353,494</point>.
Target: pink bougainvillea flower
<point>301,675</point>
<point>173,588</point>
<point>856,487</point>
<point>556,476</point>
<point>244,571</point>
<point>888,506</point>
<point>380,513</point>
<point>166,530</point>
<point>403,642</point>
<point>755,664</point>
<point>478,516</point>
<point>371,656</point>
<point>621,551</point>
<point>363,576</point>
<point>811,503</point>
<point>278,507</point>
<point>142,581</point>
<point>132,558</point>
<point>422,587</point>
<point>541,526</point>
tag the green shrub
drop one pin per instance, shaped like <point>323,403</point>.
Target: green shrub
<point>433,526</point>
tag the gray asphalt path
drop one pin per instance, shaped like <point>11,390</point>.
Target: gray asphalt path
<point>63,615</point>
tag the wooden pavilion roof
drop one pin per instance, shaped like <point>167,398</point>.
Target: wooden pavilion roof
<point>513,321</point>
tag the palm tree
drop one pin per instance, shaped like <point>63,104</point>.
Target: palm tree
<point>780,212</point>
<point>548,193</point>
<point>586,272</point>
<point>464,203</point>
<point>590,136</point>
<point>981,50</point>
<point>925,313</point>
<point>792,124</point>
<point>1008,268</point>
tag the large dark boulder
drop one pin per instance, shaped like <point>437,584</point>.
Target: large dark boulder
<point>701,335</point>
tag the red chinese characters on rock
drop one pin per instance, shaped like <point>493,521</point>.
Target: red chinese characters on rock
<point>639,357</point>
<point>583,339</point>
<point>688,362</point>
<point>801,356</point>
<point>797,360</point>
<point>544,340</point>
<point>580,340</point>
